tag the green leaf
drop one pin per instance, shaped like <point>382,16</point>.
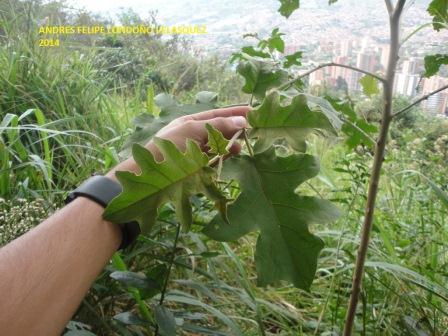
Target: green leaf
<point>438,9</point>
<point>285,250</point>
<point>175,179</point>
<point>442,195</point>
<point>165,320</point>
<point>11,123</point>
<point>129,319</point>
<point>147,124</point>
<point>293,59</point>
<point>224,318</point>
<point>216,141</point>
<point>151,106</point>
<point>276,43</point>
<point>292,122</point>
<point>260,77</point>
<point>287,7</point>
<point>369,85</point>
<point>157,275</point>
<point>133,279</point>
<point>357,130</point>
<point>433,64</point>
<point>206,97</point>
<point>330,2</point>
<point>255,53</point>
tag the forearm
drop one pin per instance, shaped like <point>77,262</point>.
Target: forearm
<point>46,273</point>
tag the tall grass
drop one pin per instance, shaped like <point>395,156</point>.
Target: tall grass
<point>57,118</point>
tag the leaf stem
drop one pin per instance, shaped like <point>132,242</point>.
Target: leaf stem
<point>247,141</point>
<point>231,142</point>
<point>170,266</point>
<point>219,167</point>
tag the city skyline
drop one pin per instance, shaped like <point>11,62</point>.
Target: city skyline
<point>316,29</point>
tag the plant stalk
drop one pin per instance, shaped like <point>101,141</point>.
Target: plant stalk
<point>168,273</point>
<point>394,20</point>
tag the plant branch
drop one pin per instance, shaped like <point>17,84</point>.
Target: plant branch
<point>380,149</point>
<point>390,6</point>
<point>330,64</point>
<point>396,114</point>
<point>170,266</point>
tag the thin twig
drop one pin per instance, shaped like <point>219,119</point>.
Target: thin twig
<point>170,266</point>
<point>429,24</point>
<point>330,64</point>
<point>420,100</point>
<point>376,168</point>
<point>249,146</point>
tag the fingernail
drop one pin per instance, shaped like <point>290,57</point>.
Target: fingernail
<point>239,121</point>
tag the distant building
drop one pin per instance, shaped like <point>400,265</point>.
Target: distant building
<point>408,78</point>
<point>406,84</point>
<point>366,60</point>
<point>383,51</point>
<point>438,103</point>
<point>346,48</point>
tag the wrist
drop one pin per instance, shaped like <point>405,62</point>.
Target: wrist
<point>102,190</point>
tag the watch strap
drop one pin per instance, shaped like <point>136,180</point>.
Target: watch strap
<point>99,189</point>
<point>102,190</point>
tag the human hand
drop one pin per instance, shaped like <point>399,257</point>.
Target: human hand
<point>228,120</point>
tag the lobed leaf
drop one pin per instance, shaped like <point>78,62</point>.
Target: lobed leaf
<point>260,77</point>
<point>292,122</point>
<point>369,85</point>
<point>285,250</point>
<point>175,179</point>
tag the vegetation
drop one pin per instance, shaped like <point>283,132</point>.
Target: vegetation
<point>68,112</point>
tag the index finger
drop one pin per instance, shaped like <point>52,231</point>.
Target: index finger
<point>221,112</point>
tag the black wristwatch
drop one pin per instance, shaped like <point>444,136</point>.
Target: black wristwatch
<point>102,190</point>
